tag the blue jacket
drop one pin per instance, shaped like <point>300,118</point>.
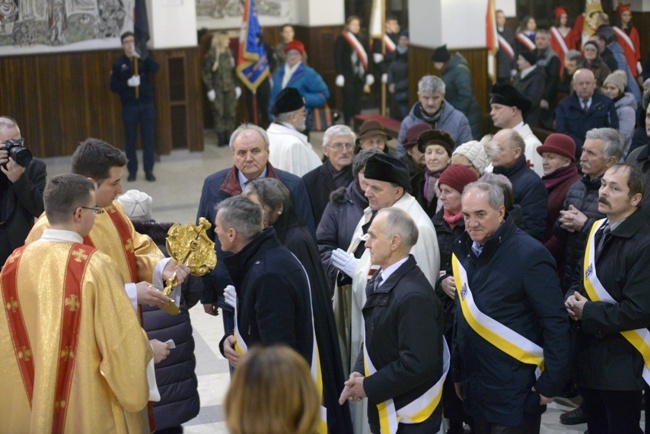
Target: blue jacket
<point>514,282</point>
<point>451,120</point>
<point>224,184</point>
<point>575,122</point>
<point>308,82</point>
<point>123,70</point>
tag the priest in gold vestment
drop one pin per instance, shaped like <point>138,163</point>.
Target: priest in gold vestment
<point>73,356</point>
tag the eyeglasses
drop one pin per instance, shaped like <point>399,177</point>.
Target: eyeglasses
<point>338,147</point>
<point>95,209</point>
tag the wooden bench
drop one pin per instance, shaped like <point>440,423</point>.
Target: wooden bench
<point>391,126</point>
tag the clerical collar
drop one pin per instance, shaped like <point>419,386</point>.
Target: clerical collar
<point>60,235</point>
<point>518,126</point>
<point>243,180</point>
<point>288,125</point>
<point>385,273</point>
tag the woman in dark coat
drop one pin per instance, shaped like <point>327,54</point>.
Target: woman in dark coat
<point>275,200</point>
<point>341,217</point>
<point>437,147</point>
<point>594,62</point>
<point>450,225</point>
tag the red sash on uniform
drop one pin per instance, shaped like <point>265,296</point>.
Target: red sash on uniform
<point>70,318</point>
<point>525,41</point>
<point>356,45</point>
<point>388,42</point>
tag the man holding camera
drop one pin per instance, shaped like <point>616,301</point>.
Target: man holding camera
<point>22,182</point>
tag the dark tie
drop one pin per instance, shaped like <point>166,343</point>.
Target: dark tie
<point>604,236</point>
<point>374,283</point>
<point>585,104</point>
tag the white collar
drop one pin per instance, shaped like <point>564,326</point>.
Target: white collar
<point>385,274</point>
<point>61,235</point>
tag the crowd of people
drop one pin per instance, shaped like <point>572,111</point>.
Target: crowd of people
<point>379,288</point>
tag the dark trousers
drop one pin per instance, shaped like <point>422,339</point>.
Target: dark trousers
<point>612,412</point>
<point>482,427</point>
<point>352,93</point>
<point>145,115</point>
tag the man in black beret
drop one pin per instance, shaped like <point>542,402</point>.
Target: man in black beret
<point>508,107</point>
<point>289,148</point>
<point>388,183</point>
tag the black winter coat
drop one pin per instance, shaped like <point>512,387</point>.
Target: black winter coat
<point>404,341</point>
<point>272,295</point>
<point>640,158</point>
<point>460,91</point>
<point>398,75</point>
<point>337,226</point>
<point>514,282</point>
<point>531,194</point>
<point>295,236</point>
<point>532,88</point>
<point>320,183</point>
<point>606,360</point>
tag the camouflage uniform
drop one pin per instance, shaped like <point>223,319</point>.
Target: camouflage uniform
<point>223,81</point>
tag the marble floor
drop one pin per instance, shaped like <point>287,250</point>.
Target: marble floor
<point>175,199</point>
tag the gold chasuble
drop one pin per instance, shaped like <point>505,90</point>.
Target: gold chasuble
<point>73,356</point>
<point>114,235</point>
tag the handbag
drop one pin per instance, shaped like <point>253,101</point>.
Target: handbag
<point>320,119</point>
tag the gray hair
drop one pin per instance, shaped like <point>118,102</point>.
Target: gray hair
<point>504,183</point>
<point>614,142</point>
<point>284,117</point>
<point>338,131</point>
<point>242,214</point>
<point>431,85</point>
<point>270,191</point>
<point>573,55</point>
<point>249,126</point>
<point>495,193</point>
<point>361,159</point>
<point>399,222</point>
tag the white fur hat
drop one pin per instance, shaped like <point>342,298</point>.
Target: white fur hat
<point>136,204</point>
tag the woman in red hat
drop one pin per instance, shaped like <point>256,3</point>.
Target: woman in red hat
<point>628,38</point>
<point>563,37</point>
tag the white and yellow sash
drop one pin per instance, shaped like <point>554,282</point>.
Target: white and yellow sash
<point>504,338</point>
<point>316,372</point>
<point>639,338</point>
<point>418,410</point>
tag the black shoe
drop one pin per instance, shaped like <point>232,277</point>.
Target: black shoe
<point>574,417</point>
<point>150,177</point>
<point>131,177</point>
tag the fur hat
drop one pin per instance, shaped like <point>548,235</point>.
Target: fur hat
<point>508,95</point>
<point>295,45</point>
<point>618,79</point>
<point>436,137</point>
<point>388,168</point>
<point>475,152</point>
<point>560,144</point>
<point>288,100</point>
<point>530,57</point>
<point>457,177</point>
<point>136,204</point>
<point>441,54</point>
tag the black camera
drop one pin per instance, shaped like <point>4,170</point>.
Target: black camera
<point>19,153</point>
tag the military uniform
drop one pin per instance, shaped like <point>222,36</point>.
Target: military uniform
<point>220,77</point>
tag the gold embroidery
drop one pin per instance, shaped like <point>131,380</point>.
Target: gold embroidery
<point>15,256</point>
<point>12,305</point>
<point>72,303</point>
<point>24,353</point>
<point>67,353</point>
<point>111,209</point>
<point>79,255</point>
<point>59,405</point>
<point>129,245</point>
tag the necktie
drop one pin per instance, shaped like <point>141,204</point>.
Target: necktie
<point>603,238</point>
<point>374,283</point>
<point>585,104</point>
<point>477,248</point>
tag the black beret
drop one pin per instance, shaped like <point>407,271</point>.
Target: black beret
<point>530,57</point>
<point>441,54</point>
<point>288,100</point>
<point>385,167</point>
<point>506,94</point>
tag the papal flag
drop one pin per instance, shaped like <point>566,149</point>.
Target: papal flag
<point>252,64</point>
<point>377,19</point>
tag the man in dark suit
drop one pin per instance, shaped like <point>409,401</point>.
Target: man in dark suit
<point>336,171</point>
<point>21,191</point>
<point>403,354</point>
<point>612,301</point>
<point>584,110</point>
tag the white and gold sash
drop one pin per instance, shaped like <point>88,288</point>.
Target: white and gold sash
<point>639,338</point>
<point>504,338</point>
<point>418,410</point>
<point>241,347</point>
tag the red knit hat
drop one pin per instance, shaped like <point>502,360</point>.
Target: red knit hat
<point>558,11</point>
<point>622,8</point>
<point>295,45</point>
<point>560,144</point>
<point>457,177</point>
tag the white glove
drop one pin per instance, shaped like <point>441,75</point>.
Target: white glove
<point>344,261</point>
<point>135,54</point>
<point>340,80</point>
<point>378,57</point>
<point>134,81</point>
<point>212,95</point>
<point>384,78</point>
<point>230,294</point>
<point>513,72</point>
<point>369,80</point>
<point>237,92</point>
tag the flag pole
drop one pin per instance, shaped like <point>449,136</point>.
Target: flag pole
<point>383,53</point>
<point>255,106</point>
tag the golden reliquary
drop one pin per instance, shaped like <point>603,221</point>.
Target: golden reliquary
<point>190,245</point>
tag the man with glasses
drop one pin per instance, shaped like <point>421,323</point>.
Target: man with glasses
<point>289,148</point>
<point>584,110</point>
<point>21,191</point>
<point>335,172</point>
